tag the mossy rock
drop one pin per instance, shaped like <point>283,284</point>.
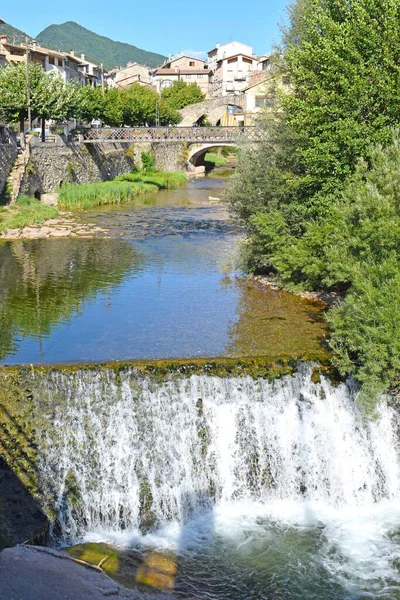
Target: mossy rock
<point>128,567</point>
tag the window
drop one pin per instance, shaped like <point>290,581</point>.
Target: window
<point>248,61</point>
<point>51,60</point>
<point>263,102</point>
<point>191,63</point>
<point>200,76</point>
<point>232,60</point>
<point>188,76</point>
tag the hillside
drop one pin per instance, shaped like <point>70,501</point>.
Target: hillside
<point>13,34</point>
<point>97,48</point>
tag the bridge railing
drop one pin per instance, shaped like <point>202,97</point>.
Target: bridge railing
<point>173,134</point>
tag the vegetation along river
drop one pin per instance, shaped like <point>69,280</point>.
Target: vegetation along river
<point>209,485</point>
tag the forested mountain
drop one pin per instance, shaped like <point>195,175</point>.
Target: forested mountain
<point>13,34</point>
<point>97,48</point>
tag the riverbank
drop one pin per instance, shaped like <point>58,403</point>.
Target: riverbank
<point>29,218</point>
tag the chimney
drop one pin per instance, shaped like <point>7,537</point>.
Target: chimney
<point>34,44</point>
<point>72,52</point>
<point>217,45</point>
<point>82,56</point>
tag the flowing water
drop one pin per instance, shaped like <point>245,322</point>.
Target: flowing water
<point>257,490</point>
<point>261,490</point>
<point>162,284</point>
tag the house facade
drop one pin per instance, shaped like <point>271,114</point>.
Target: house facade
<point>230,66</point>
<point>66,65</point>
<point>125,77</point>
<point>182,68</point>
<point>261,95</point>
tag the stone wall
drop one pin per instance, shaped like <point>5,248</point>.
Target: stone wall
<point>53,164</point>
<point>171,157</point>
<point>8,155</point>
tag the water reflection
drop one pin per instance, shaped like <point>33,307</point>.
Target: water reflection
<point>47,282</point>
<point>167,289</point>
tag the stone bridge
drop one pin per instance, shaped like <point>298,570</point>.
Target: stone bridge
<point>212,109</point>
<point>175,147</point>
<point>165,135</point>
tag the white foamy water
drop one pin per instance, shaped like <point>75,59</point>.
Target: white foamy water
<point>282,485</point>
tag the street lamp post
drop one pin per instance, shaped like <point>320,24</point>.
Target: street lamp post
<point>28,85</point>
<point>157,114</point>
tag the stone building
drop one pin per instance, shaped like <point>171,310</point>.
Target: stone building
<point>125,77</point>
<point>182,68</point>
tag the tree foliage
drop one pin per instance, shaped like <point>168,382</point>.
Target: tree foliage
<point>320,199</point>
<point>50,97</point>
<point>135,106</point>
<point>182,94</point>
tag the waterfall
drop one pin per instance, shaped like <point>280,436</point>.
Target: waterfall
<point>126,452</point>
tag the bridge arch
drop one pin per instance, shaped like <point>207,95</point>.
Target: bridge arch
<point>197,152</point>
<point>213,109</point>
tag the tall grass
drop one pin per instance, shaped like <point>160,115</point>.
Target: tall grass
<point>163,180</point>
<point>82,197</point>
<point>26,212</point>
<point>215,159</point>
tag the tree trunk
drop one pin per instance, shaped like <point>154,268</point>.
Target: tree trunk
<point>43,130</point>
<point>21,132</point>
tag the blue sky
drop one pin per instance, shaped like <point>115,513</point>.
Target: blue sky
<point>164,26</point>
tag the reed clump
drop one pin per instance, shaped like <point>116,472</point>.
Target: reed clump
<point>121,190</point>
<point>163,180</point>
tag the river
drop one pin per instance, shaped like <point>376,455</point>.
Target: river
<point>243,488</point>
<point>164,283</point>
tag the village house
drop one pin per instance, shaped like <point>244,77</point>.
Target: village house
<point>261,94</point>
<point>63,64</point>
<point>93,73</point>
<point>182,68</point>
<point>125,77</point>
<point>230,66</point>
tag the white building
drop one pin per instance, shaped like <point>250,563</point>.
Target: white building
<point>230,66</point>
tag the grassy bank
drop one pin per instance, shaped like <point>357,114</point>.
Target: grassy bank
<point>26,212</point>
<point>161,179</point>
<point>215,159</point>
<point>121,190</point>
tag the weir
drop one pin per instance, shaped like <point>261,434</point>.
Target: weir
<point>191,463</point>
<point>123,450</point>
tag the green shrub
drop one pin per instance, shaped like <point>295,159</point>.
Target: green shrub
<point>148,162</point>
<point>215,159</point>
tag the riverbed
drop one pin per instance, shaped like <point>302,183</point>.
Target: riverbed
<point>163,282</point>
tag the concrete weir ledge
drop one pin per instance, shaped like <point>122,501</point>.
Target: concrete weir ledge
<point>36,573</point>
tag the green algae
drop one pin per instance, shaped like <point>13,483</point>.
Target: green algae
<point>128,567</point>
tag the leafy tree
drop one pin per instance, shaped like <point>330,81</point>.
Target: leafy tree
<point>343,58</point>
<point>50,97</point>
<point>88,103</point>
<point>320,198</point>
<point>136,106</point>
<point>181,94</point>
